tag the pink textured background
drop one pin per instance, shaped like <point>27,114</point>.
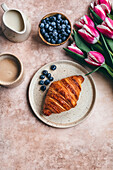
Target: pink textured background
<point>28,144</point>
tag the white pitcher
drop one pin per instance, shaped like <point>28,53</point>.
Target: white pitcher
<point>15,25</point>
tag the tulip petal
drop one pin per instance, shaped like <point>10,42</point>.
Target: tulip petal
<point>100,12</point>
<point>109,23</point>
<point>92,31</point>
<point>92,5</point>
<point>106,2</point>
<point>75,49</point>
<point>106,8</point>
<point>87,37</point>
<point>84,20</point>
<point>97,2</point>
<point>78,24</point>
<point>88,21</point>
<point>96,56</point>
<point>91,62</point>
<point>105,31</point>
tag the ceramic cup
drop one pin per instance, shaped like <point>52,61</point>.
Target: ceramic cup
<point>15,25</point>
<point>11,70</point>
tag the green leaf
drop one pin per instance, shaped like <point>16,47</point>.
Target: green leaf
<point>111,11</point>
<point>108,57</point>
<point>97,47</point>
<point>97,19</point>
<point>110,16</point>
<point>80,44</point>
<point>109,42</point>
<point>75,56</point>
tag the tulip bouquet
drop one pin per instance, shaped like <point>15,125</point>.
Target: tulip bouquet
<point>93,38</point>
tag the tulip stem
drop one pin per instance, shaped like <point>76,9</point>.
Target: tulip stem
<point>99,42</point>
<point>108,69</point>
<point>110,52</point>
<point>92,71</point>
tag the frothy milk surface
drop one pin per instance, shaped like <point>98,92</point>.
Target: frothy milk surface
<point>9,70</point>
<point>14,20</point>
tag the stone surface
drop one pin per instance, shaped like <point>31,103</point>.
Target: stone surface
<point>28,144</point>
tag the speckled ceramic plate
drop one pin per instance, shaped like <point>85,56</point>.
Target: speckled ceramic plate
<point>85,103</point>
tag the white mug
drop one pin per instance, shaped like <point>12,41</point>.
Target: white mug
<point>15,25</point>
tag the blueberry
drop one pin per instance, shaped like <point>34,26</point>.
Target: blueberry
<point>62,30</point>
<point>43,21</point>
<point>48,22</point>
<point>41,82</point>
<point>58,21</point>
<point>61,21</point>
<point>55,38</point>
<point>47,19</point>
<point>53,24</point>
<point>53,67</point>
<point>68,26</point>
<point>45,72</point>
<point>48,75</point>
<point>59,26</point>
<point>42,25</point>
<point>43,31</point>
<point>46,82</point>
<point>46,35</point>
<point>68,31</point>
<point>43,88</point>
<point>66,21</point>
<point>50,33</point>
<point>51,37</point>
<point>59,16</point>
<point>50,28</point>
<point>55,33</point>
<point>59,31</point>
<point>59,41</point>
<point>53,41</point>
<point>63,26</point>
<point>54,27</point>
<point>65,34</point>
<point>47,26</point>
<point>51,78</point>
<point>48,40</point>
<point>54,18</point>
<point>60,36</point>
<point>42,76</point>
<point>50,18</point>
<point>63,38</point>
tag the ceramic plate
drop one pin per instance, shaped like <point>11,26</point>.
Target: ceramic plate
<point>85,103</point>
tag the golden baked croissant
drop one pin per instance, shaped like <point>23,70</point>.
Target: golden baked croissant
<point>62,95</point>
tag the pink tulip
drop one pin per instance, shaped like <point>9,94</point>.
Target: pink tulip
<point>84,20</point>
<point>106,8</point>
<point>101,8</point>
<point>100,12</point>
<point>106,27</point>
<point>99,2</point>
<point>95,58</point>
<point>89,34</point>
<point>75,49</point>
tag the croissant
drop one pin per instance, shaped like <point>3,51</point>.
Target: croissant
<point>62,95</point>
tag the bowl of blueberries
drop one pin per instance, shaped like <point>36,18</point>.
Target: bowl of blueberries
<point>55,29</point>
